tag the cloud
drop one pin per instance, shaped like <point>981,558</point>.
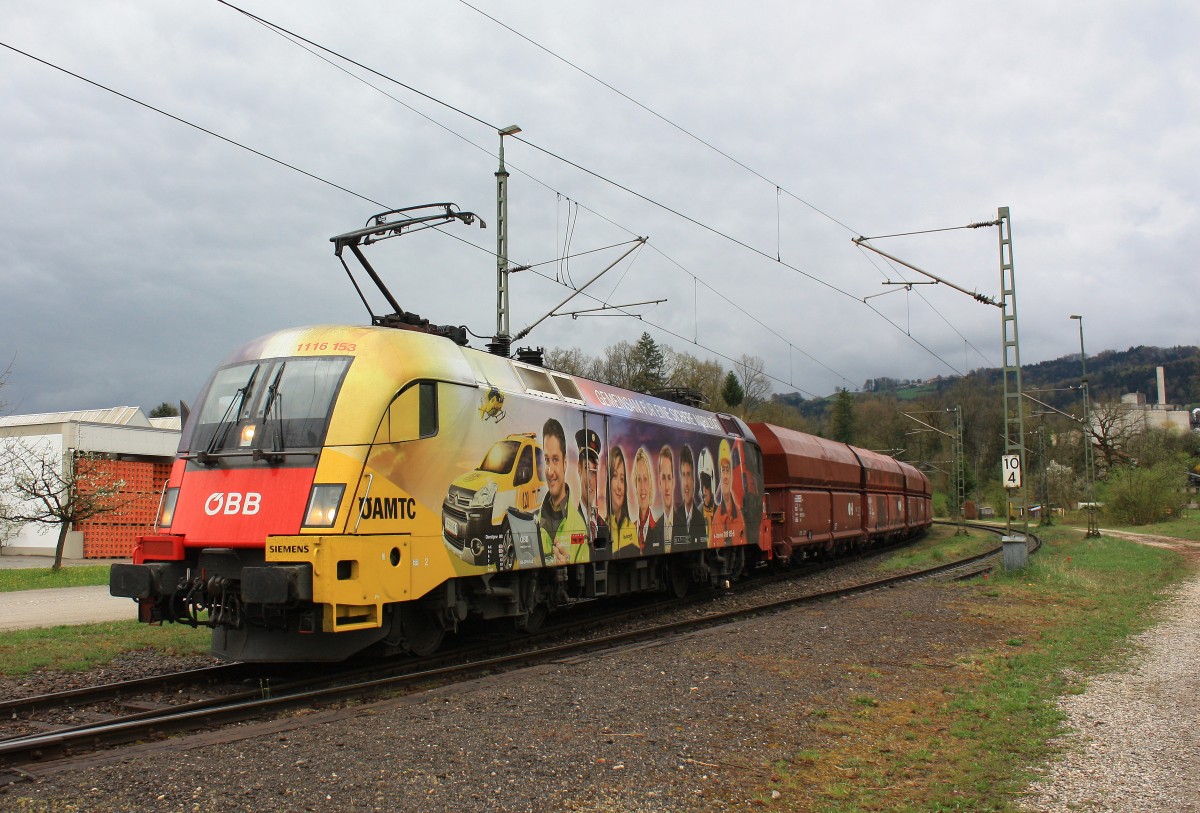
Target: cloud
<point>139,251</point>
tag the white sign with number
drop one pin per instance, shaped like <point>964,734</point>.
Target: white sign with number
<point>1012,470</point>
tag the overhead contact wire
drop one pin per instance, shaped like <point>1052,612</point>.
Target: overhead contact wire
<point>193,125</point>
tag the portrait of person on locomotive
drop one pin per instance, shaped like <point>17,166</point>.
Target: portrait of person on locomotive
<point>728,525</point>
<point>560,525</point>
<point>666,483</point>
<point>590,454</point>
<point>708,490</point>
<point>620,523</point>
<point>649,528</point>
<point>688,515</point>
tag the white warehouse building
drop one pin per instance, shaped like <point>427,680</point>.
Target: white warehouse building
<point>134,448</point>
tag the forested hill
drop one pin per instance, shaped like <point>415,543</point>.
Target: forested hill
<point>1111,374</point>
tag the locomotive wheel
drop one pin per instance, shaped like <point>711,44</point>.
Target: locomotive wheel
<point>536,618</point>
<point>421,630</point>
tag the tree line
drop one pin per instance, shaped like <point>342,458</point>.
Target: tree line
<point>1130,459</point>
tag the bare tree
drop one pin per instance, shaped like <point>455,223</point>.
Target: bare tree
<point>1113,425</point>
<point>46,487</point>
<point>619,366</point>
<point>573,361</point>
<point>755,384</point>
<point>691,373</point>
<point>782,414</point>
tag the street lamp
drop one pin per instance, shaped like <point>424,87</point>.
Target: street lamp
<point>500,344</point>
<point>1088,462</point>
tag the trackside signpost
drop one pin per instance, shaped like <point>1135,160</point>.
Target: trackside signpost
<point>1012,471</point>
<point>1016,552</point>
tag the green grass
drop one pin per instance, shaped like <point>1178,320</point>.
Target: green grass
<point>86,646</point>
<point>1099,593</point>
<point>966,738</point>
<point>1187,527</point>
<point>942,544</point>
<point>33,578</point>
<point>1184,527</point>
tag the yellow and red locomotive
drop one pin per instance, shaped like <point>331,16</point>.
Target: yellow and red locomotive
<point>341,488</point>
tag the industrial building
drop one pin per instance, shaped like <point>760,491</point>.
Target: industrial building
<point>129,447</point>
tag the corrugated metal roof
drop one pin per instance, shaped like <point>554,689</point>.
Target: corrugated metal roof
<point>175,423</point>
<point>118,416</point>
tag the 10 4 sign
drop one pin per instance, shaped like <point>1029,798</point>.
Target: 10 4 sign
<point>1012,470</point>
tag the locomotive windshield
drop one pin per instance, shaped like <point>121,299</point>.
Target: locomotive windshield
<point>269,407</point>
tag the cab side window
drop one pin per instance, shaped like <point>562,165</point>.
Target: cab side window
<point>427,404</point>
<point>413,414</point>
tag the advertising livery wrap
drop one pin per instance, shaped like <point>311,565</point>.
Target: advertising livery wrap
<point>341,489</point>
<point>390,483</point>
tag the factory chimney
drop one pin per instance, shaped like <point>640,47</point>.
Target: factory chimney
<point>1162,388</point>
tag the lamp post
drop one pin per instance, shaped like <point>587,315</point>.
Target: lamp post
<point>500,345</point>
<point>1088,463</point>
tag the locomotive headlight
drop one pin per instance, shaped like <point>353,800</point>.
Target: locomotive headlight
<point>485,496</point>
<point>323,503</point>
<point>167,512</point>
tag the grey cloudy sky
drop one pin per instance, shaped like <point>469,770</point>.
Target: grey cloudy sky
<point>137,251</point>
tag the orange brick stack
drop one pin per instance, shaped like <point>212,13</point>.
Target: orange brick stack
<point>113,534</point>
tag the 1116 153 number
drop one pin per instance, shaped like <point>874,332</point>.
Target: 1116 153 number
<point>337,347</point>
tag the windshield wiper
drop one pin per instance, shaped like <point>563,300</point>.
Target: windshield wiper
<point>273,397</point>
<point>221,433</point>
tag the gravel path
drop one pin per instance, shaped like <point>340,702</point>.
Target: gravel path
<point>1135,741</point>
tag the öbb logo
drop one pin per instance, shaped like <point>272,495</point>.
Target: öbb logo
<point>232,502</point>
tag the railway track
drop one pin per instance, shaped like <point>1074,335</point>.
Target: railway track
<point>261,696</point>
<point>151,696</point>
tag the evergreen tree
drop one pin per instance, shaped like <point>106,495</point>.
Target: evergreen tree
<point>649,365</point>
<point>843,417</point>
<point>731,391</point>
<point>164,410</point>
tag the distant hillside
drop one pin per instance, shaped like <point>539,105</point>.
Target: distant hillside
<point>1111,374</point>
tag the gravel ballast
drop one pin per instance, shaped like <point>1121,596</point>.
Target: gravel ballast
<point>692,723</point>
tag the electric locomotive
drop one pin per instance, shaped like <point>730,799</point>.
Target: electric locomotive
<point>343,488</point>
<point>340,489</point>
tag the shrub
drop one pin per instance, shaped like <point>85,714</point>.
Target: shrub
<point>1139,496</point>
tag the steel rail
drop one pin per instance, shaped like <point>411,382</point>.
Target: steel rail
<point>19,753</point>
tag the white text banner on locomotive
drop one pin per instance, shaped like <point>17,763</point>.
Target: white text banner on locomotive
<point>649,408</point>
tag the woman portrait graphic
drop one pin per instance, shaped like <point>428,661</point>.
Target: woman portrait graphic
<point>620,523</point>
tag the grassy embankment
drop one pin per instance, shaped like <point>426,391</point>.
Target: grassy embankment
<point>35,578</point>
<point>84,646</point>
<point>963,738</point>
